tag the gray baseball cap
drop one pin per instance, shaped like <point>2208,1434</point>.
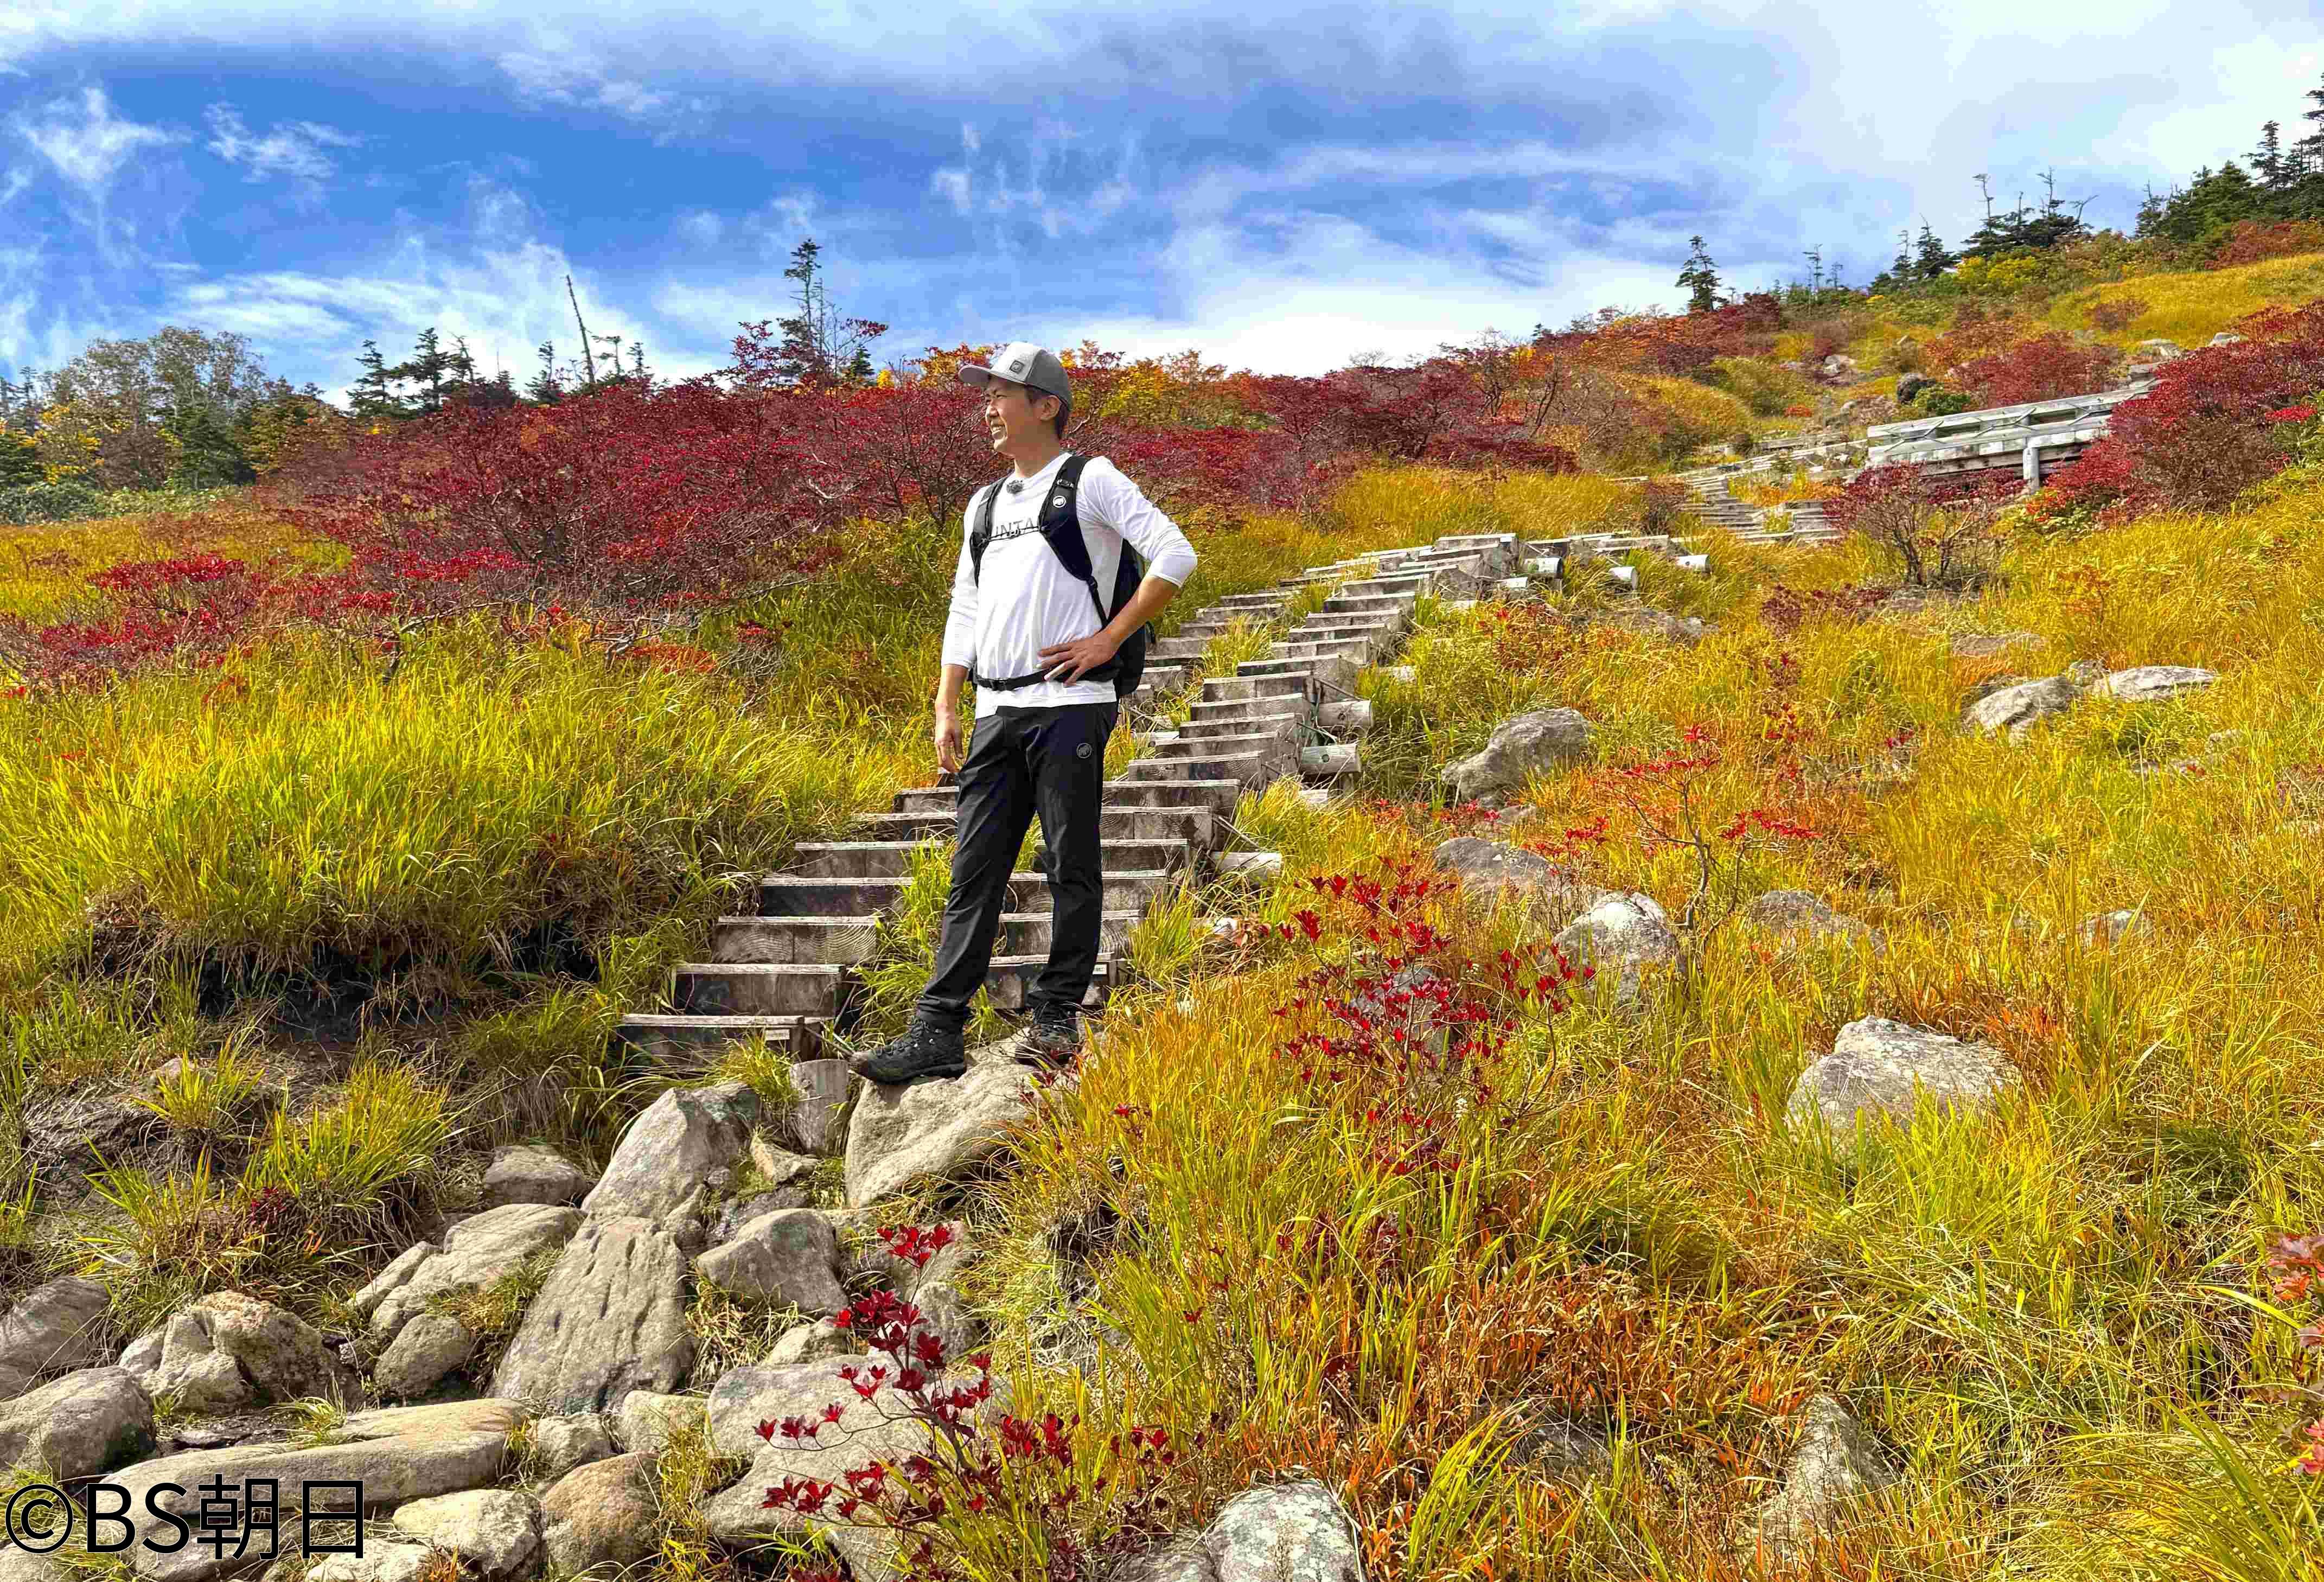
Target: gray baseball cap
<point>1021,362</point>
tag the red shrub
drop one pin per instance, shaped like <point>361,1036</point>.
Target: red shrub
<point>2044,368</point>
<point>2250,242</point>
<point>2204,433</point>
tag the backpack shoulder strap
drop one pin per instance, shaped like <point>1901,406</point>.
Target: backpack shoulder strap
<point>1061,524</point>
<point>980,533</point>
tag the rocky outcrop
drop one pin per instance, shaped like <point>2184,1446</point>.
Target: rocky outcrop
<point>2018,710</point>
<point>651,1421</point>
<point>609,1319</point>
<point>496,1533</point>
<point>1622,937</point>
<point>1488,868</point>
<point>679,1153</point>
<point>1520,748</point>
<point>429,1349</point>
<point>1882,1067</point>
<point>2145,683</point>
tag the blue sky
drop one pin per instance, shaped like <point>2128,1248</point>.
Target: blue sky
<point>1282,186</point>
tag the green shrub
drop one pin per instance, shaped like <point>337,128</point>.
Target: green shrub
<point>27,504</point>
<point>1764,387</point>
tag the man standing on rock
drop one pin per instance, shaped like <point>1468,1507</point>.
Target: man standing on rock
<point>1043,603</point>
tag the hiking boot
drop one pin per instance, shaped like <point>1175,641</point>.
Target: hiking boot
<point>923,1050</point>
<point>1053,1038</point>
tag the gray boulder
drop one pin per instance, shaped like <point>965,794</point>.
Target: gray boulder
<point>395,1560</point>
<point>1836,1462</point>
<point>526,1172</point>
<point>930,1133</point>
<point>2144,683</point>
<point>1622,934</point>
<point>677,1155</point>
<point>609,1319</point>
<point>1878,1066</point>
<point>2018,708</point>
<point>1838,366</point>
<point>560,1444</point>
<point>229,1350</point>
<point>605,1513</point>
<point>1519,748</point>
<point>740,1212</point>
<point>86,1422</point>
<point>496,1532</point>
<point>58,1328</point>
<point>427,1350</point>
<point>1488,868</point>
<point>1182,1558</point>
<point>788,1256</point>
<point>67,1139</point>
<point>1294,1533</point>
<point>1909,386</point>
<point>476,1253</point>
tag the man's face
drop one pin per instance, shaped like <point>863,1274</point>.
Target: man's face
<point>1013,413</point>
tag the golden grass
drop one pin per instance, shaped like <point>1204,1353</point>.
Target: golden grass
<point>2190,308</point>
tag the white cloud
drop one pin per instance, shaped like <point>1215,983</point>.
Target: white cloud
<point>86,141</point>
<point>951,184</point>
<point>293,149</point>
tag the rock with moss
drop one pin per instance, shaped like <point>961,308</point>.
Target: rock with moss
<point>2018,710</point>
<point>1290,1532</point>
<point>2145,683</point>
<point>560,1444</point>
<point>930,1134</point>
<point>84,1423</point>
<point>1520,748</point>
<point>1624,934</point>
<point>650,1420</point>
<point>789,1257</point>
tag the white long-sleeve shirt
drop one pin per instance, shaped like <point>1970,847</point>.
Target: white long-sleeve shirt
<point>1026,600</point>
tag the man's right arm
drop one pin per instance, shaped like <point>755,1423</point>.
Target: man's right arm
<point>959,653</point>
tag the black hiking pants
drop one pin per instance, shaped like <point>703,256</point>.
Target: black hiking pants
<point>1023,761</point>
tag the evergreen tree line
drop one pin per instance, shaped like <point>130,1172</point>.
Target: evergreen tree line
<point>2284,181</point>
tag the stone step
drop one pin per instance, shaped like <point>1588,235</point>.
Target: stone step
<point>1385,603</point>
<point>1413,582</point>
<point>1225,744</point>
<point>1174,792</point>
<point>1275,726</point>
<point>1206,711</point>
<point>662,1037</point>
<point>1243,689</point>
<point>1011,978</point>
<point>1359,649</point>
<point>787,895</point>
<point>852,941</point>
<point>1329,670</point>
<point>1383,625</point>
<point>1243,770</point>
<point>892,859</point>
<point>1255,605</point>
<point>759,988</point>
<point>1177,648</point>
<point>1193,827</point>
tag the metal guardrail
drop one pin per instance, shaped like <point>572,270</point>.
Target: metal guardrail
<point>2041,435</point>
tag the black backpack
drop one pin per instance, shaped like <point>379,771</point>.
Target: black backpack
<point>1061,524</point>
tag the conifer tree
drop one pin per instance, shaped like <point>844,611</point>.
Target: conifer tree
<point>1930,258</point>
<point>1700,278</point>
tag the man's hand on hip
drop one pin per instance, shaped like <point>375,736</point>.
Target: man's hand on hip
<point>1069,660</point>
<point>949,755</point>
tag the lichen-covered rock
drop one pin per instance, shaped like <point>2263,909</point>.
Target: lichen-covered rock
<point>1520,748</point>
<point>475,1255</point>
<point>229,1350</point>
<point>806,1343</point>
<point>930,1132</point>
<point>605,1513</point>
<point>84,1423</point>
<point>1293,1532</point>
<point>679,1153</point>
<point>2016,709</point>
<point>1490,868</point>
<point>1878,1067</point>
<point>527,1172</point>
<point>560,1444</point>
<point>59,1328</point>
<point>1836,1462</point>
<point>496,1533</point>
<point>651,1421</point>
<point>790,1256</point>
<point>2144,683</point>
<point>429,1349</point>
<point>1622,935</point>
<point>611,1319</point>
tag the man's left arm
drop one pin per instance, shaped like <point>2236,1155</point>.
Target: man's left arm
<point>1119,503</point>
